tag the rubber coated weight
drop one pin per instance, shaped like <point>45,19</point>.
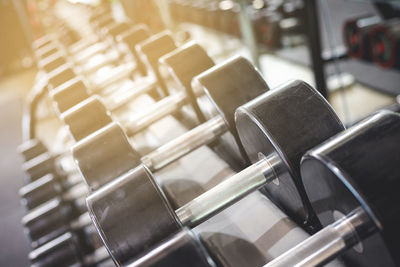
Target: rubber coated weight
<point>66,99</point>
<point>127,236</point>
<point>279,125</point>
<point>97,166</point>
<point>360,167</point>
<point>31,149</point>
<point>96,177</point>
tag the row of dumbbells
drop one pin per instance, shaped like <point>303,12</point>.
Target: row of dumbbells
<point>288,136</point>
<point>270,21</point>
<point>372,39</point>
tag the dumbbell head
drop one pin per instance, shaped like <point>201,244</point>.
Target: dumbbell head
<point>86,117</point>
<point>182,249</point>
<point>282,125</point>
<point>52,62</point>
<point>355,36</point>
<point>360,168</point>
<point>98,13</point>
<point>385,42</point>
<point>99,167</point>
<point>39,166</point>
<point>102,22</point>
<point>131,38</point>
<point>47,51</point>
<point>42,42</point>
<point>47,221</point>
<point>138,197</point>
<point>154,47</point>
<point>182,65</point>
<point>222,88</point>
<point>91,115</point>
<point>62,251</point>
<point>118,28</point>
<point>40,191</point>
<point>69,94</point>
<point>60,75</point>
<point>31,149</point>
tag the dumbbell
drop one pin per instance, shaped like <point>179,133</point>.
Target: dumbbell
<point>89,59</point>
<point>157,45</point>
<point>93,62</point>
<point>356,36</point>
<point>82,51</point>
<point>275,128</point>
<point>229,17</point>
<point>343,186</point>
<point>266,27</point>
<point>97,20</point>
<point>219,92</point>
<point>90,65</point>
<point>219,83</point>
<point>54,217</point>
<point>182,65</point>
<point>31,148</point>
<point>68,249</point>
<point>385,44</point>
<point>356,175</point>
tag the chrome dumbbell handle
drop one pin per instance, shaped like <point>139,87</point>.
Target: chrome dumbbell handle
<point>328,243</point>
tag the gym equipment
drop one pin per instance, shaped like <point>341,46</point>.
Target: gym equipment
<point>219,92</point>
<point>182,65</point>
<point>69,249</point>
<point>53,218</point>
<point>385,44</point>
<point>356,174</point>
<point>42,164</point>
<point>356,36</point>
<point>280,144</point>
<point>216,82</point>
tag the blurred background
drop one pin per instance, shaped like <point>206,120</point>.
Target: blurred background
<point>322,42</point>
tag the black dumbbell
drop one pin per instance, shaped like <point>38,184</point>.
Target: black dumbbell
<point>356,175</point>
<point>69,249</point>
<point>31,148</point>
<point>356,36</point>
<point>219,92</point>
<point>42,164</point>
<point>90,65</point>
<point>385,44</point>
<point>54,217</point>
<point>81,51</point>
<point>182,65</point>
<point>335,173</point>
<point>218,82</point>
<point>275,128</point>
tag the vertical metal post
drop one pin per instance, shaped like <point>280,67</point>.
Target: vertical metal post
<point>248,35</point>
<point>314,42</point>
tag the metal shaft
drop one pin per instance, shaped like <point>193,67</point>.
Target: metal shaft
<point>159,110</point>
<point>226,193</point>
<point>118,73</point>
<point>120,99</point>
<point>199,136</point>
<point>325,245</point>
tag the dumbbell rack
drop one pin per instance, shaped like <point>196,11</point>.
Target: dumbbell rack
<point>231,232</point>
